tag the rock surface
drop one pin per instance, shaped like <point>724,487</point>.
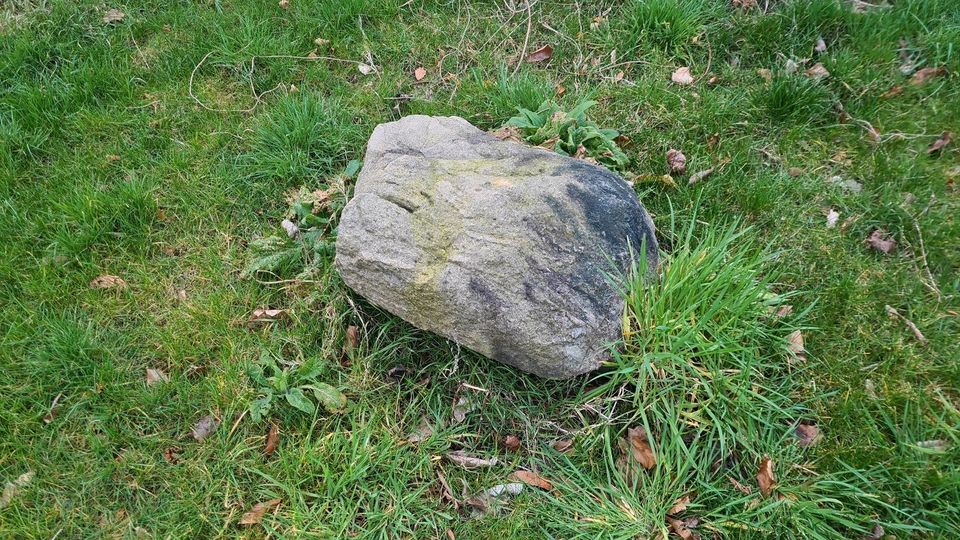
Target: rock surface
<point>506,249</point>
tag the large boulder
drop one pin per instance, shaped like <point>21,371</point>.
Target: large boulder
<point>509,250</point>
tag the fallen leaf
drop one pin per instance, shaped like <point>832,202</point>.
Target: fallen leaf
<point>320,42</point>
<point>155,376</point>
<point>508,133</point>
<point>419,73</point>
<point>450,535</point>
<point>877,533</point>
<point>172,455</point>
<point>794,171</point>
<point>531,479</point>
<point>540,55</point>
<point>284,4</point>
<point>850,185</point>
<point>765,477</point>
<point>266,315</point>
<point>783,311</point>
<point>679,505</point>
<point>364,68</point>
<point>52,411</point>
<point>255,515</point>
<point>832,217</point>
<point>562,446</point>
<point>944,140</point>
<point>807,435</point>
<point>469,462</point>
<point>698,176</point>
<point>11,488</point>
<point>331,399</point>
<point>744,4</point>
<point>290,227</point>
<point>511,443</point>
<point>870,389</point>
<point>513,488</point>
<point>423,432</point>
<point>353,338</point>
<point>682,76</point>
<point>790,67</point>
<point>107,281</point>
<point>204,427</point>
<point>894,90</point>
<point>465,405</point>
<point>817,71</point>
<point>680,529</point>
<point>676,161</point>
<point>795,345</point>
<point>635,449</point>
<point>880,241</point>
<point>113,16</point>
<point>765,74</point>
<point>445,491</point>
<point>740,487</point>
<point>820,46</point>
<point>273,437</point>
<point>922,76</point>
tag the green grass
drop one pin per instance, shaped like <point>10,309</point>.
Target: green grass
<point>109,166</point>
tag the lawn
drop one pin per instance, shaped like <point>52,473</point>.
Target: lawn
<point>165,143</point>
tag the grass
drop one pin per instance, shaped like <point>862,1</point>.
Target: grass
<point>109,166</point>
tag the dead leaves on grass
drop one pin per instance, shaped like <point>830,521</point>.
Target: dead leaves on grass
<point>273,437</point>
<point>107,281</point>
<point>635,450</point>
<point>204,428</point>
<point>255,515</point>
<point>765,477</point>
<point>467,461</point>
<point>682,76</point>
<point>112,16</point>
<point>531,479</point>
<point>881,241</point>
<point>938,144</point>
<point>795,346</point>
<point>156,376</point>
<point>676,161</point>
<point>807,435</point>
<point>11,488</point>
<point>540,55</point>
<point>894,314</point>
<point>925,75</point>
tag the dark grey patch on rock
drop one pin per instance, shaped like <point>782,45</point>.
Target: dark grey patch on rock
<point>504,248</point>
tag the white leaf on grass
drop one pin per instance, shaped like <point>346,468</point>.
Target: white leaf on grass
<point>682,76</point>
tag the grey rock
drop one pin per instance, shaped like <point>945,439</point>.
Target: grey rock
<point>509,250</point>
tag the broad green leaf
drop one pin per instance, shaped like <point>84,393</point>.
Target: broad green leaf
<point>330,398</point>
<point>260,407</point>
<point>299,400</point>
<point>353,167</point>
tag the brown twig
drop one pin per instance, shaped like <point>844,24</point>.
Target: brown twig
<point>894,314</point>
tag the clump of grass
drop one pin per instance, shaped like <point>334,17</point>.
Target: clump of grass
<point>793,98</point>
<point>303,137</point>
<point>667,24</point>
<point>705,369</point>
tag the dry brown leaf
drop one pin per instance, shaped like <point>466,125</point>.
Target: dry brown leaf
<point>419,73</point>
<point>795,345</point>
<point>542,54</point>
<point>365,69</point>
<point>766,75</point>
<point>807,435</point>
<point>944,140</point>
<point>562,446</point>
<point>266,315</point>
<point>531,479</point>
<point>783,311</point>
<point>155,376</point>
<point>11,488</point>
<point>740,487</point>
<point>877,533</point>
<point>508,133</point>
<point>680,529</point>
<point>744,4</point>
<point>922,76</point>
<point>107,281</point>
<point>446,492</point>
<point>880,241</point>
<point>172,454</point>
<point>894,91</point>
<point>682,76</point>
<point>511,443</point>
<point>937,445</point>
<point>679,505</point>
<point>204,427</point>
<point>794,171</point>
<point>353,338</point>
<point>423,432</point>
<point>273,437</point>
<point>320,42</point>
<point>635,449</point>
<point>817,71</point>
<point>765,477</point>
<point>284,4</point>
<point>469,462</point>
<point>113,16</point>
<point>676,161</point>
<point>255,515</point>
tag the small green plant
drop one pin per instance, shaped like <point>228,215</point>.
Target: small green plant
<point>570,133</point>
<point>291,384</point>
<point>306,242</point>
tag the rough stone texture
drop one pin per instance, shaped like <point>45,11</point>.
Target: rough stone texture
<point>503,248</point>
